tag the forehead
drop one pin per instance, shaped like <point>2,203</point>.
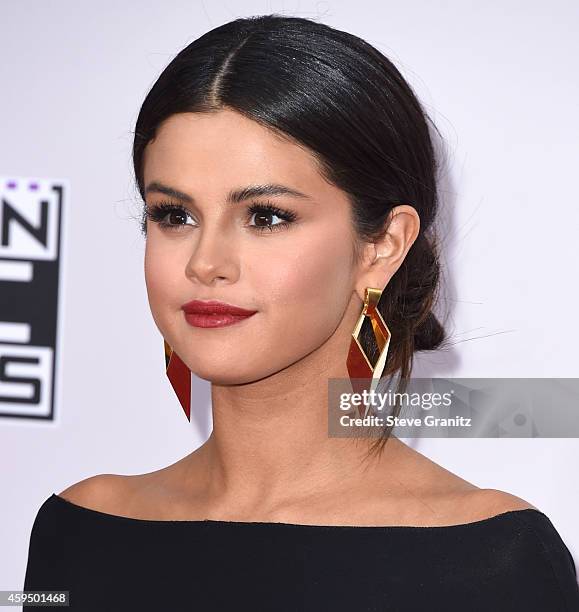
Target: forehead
<point>215,150</point>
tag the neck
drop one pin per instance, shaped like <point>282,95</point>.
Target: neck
<point>270,448</point>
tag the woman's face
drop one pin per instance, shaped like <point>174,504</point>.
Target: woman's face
<point>298,274</point>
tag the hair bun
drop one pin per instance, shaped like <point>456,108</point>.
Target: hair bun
<point>429,334</point>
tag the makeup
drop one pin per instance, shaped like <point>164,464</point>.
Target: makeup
<point>213,313</point>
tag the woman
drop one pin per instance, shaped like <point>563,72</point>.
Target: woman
<point>288,174</point>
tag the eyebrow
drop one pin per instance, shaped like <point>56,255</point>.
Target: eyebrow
<point>234,196</point>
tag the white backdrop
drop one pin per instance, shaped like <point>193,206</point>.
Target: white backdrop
<point>498,78</point>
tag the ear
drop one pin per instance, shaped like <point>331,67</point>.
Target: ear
<point>383,258</point>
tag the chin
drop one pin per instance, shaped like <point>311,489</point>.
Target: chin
<point>225,375</point>
<point>237,376</point>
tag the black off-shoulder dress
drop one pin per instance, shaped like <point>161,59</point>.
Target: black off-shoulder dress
<point>514,561</point>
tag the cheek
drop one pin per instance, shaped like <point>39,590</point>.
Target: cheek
<point>309,293</point>
<point>317,271</point>
<point>314,276</point>
<point>160,284</point>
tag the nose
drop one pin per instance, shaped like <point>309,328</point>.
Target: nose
<point>212,258</point>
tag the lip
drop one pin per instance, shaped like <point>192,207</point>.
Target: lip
<point>212,313</point>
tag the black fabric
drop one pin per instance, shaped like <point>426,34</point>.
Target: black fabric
<point>512,561</point>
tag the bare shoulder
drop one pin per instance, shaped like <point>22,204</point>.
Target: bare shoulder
<point>132,495</point>
<point>475,504</point>
<point>464,502</point>
<point>490,502</point>
<point>436,496</point>
<point>102,492</point>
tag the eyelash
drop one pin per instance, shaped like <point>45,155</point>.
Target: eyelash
<point>157,212</point>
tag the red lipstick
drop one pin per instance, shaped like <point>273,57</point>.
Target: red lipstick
<point>213,313</point>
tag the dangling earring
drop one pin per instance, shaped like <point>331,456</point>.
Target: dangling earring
<point>180,376</point>
<point>358,364</point>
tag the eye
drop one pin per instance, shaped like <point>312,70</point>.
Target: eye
<point>174,217</point>
<point>168,215</point>
<point>262,212</point>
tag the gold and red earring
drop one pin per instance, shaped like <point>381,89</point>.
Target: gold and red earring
<point>359,367</point>
<point>180,377</point>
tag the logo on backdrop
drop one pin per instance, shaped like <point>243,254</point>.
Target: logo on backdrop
<point>30,245</point>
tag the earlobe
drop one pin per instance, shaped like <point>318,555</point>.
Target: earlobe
<point>377,276</point>
<point>374,272</point>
